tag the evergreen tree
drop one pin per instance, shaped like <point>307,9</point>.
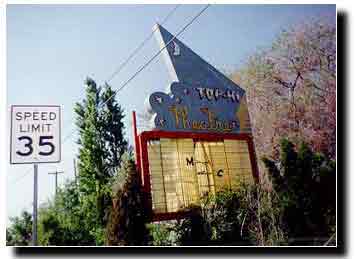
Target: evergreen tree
<point>306,185</point>
<point>101,141</point>
<point>112,117</point>
<point>126,225</point>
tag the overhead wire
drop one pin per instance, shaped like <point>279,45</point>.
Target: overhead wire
<point>149,61</point>
<point>156,55</point>
<point>22,176</point>
<point>140,46</point>
<point>131,56</point>
<point>144,65</point>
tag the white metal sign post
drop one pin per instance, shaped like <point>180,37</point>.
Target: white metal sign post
<point>35,138</point>
<point>35,199</point>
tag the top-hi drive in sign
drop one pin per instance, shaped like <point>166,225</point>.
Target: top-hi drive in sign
<point>202,141</point>
<point>200,99</point>
<point>35,134</point>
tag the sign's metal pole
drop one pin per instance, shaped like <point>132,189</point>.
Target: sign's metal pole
<point>137,145</point>
<point>35,195</point>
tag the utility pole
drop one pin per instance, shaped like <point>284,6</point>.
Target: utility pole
<point>56,177</point>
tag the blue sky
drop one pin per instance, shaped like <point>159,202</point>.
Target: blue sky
<point>51,49</point>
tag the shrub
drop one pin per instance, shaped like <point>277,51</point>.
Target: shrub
<point>305,182</point>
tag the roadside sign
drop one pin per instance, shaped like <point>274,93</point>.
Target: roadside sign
<point>35,134</point>
<point>201,142</point>
<point>178,169</point>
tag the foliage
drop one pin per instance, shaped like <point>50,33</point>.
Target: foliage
<point>99,119</point>
<point>51,231</point>
<point>162,234</point>
<point>246,216</point>
<point>112,122</point>
<point>242,217</point>
<point>194,230</point>
<point>126,225</point>
<point>78,214</point>
<point>291,92</point>
<point>61,221</point>
<point>305,183</point>
<point>20,231</point>
<point>291,89</point>
<point>298,209</point>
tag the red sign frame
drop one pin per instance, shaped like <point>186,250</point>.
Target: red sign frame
<point>141,142</point>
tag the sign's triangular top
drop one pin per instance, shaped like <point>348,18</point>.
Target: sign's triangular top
<point>188,67</point>
<point>201,98</point>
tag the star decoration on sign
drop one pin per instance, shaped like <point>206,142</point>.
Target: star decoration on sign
<point>196,84</point>
<point>159,99</point>
<point>161,122</point>
<point>176,49</point>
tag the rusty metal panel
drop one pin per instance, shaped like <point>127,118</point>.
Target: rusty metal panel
<point>219,165</point>
<point>156,173</point>
<point>238,159</point>
<point>170,168</point>
<point>179,176</point>
<point>204,169</point>
<point>188,177</point>
<point>183,170</point>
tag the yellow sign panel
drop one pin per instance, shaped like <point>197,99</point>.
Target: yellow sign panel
<point>183,170</point>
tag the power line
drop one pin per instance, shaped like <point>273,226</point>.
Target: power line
<point>147,63</point>
<point>140,46</point>
<point>133,54</point>
<point>22,176</point>
<point>157,54</point>
<point>144,65</point>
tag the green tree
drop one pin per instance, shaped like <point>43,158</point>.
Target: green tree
<point>61,221</point>
<point>306,186</point>
<point>99,119</point>
<point>20,231</point>
<point>298,209</point>
<point>79,212</point>
<point>112,117</point>
<point>127,221</point>
<point>51,230</point>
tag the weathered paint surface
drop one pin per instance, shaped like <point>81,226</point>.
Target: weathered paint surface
<point>182,171</point>
<point>202,142</point>
<point>201,98</point>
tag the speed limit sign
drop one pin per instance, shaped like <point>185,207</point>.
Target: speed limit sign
<point>35,134</point>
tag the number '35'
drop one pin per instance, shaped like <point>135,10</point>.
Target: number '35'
<point>43,141</point>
